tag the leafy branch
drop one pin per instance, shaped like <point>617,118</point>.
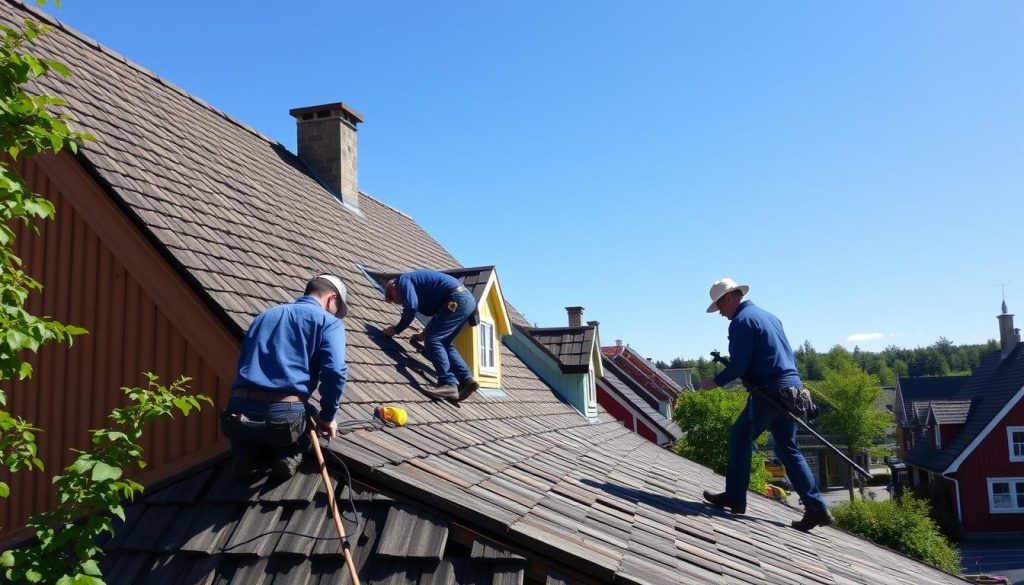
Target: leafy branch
<point>93,488</point>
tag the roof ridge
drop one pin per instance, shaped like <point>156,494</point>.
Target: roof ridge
<point>101,48</point>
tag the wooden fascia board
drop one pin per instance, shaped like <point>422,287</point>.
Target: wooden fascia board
<point>992,424</point>
<point>154,274</point>
<point>595,357</point>
<point>503,323</point>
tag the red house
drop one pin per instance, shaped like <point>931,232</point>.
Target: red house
<point>624,399</point>
<point>973,443</point>
<point>650,378</point>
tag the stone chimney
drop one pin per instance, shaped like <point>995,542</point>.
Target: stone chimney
<point>575,316</point>
<point>618,343</point>
<point>1008,336</point>
<point>327,144</point>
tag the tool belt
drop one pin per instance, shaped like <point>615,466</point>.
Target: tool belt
<point>274,432</point>
<point>791,399</point>
<point>264,396</point>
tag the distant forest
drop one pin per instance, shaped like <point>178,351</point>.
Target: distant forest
<point>941,358</point>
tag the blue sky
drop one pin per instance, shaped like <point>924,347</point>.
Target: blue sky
<point>859,164</point>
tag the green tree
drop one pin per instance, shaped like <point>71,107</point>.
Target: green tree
<point>855,419</point>
<point>705,418</point>
<point>27,128</point>
<point>903,525</point>
<point>92,486</point>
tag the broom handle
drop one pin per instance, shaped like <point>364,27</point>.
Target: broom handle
<point>334,506</point>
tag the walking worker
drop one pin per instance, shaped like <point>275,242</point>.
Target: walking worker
<point>444,298</point>
<point>288,351</point>
<point>760,355</point>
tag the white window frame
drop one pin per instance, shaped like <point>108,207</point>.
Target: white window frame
<point>1010,443</point>
<point>1012,482</point>
<point>488,342</point>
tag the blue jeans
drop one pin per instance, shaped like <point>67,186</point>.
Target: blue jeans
<point>440,335</point>
<point>759,415</point>
<point>256,440</point>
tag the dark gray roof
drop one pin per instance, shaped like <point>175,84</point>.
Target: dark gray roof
<point>205,528</point>
<point>925,388</point>
<point>615,381</point>
<point>232,212</point>
<point>572,347</point>
<point>988,390</point>
<point>950,411</point>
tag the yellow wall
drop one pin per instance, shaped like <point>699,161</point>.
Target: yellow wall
<point>468,343</point>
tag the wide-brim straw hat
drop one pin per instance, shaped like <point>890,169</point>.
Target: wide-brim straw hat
<point>722,288</point>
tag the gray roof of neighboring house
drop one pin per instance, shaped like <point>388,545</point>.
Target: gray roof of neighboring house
<point>950,411</point>
<point>571,347</point>
<point>232,211</point>
<point>987,391</point>
<point>682,377</point>
<point>925,388</point>
<point>614,381</point>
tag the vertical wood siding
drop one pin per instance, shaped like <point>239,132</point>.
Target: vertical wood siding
<point>72,391</point>
<point>990,459</point>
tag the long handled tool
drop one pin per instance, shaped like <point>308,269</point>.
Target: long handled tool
<point>345,549</point>
<point>716,357</point>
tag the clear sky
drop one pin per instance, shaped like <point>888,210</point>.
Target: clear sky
<point>859,164</point>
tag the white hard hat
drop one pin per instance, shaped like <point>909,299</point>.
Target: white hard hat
<point>342,291</point>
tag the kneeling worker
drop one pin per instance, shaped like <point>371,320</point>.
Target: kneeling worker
<point>761,357</point>
<point>442,296</point>
<point>287,352</point>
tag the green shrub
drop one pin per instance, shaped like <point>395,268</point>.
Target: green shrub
<point>903,525</point>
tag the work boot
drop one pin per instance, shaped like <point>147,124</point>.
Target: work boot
<point>446,391</point>
<point>723,501</point>
<point>241,467</point>
<point>467,387</point>
<point>283,468</point>
<point>812,519</point>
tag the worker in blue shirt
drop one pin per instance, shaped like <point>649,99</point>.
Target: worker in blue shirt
<point>287,353</point>
<point>442,297</point>
<point>760,355</point>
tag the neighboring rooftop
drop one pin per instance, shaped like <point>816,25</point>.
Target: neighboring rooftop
<point>616,381</point>
<point>995,382</point>
<point>572,347</point>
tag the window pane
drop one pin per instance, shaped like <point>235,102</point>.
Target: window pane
<point>1001,501</point>
<point>1020,501</point>
<point>1002,487</point>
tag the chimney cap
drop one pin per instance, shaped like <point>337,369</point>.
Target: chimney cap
<point>593,323</point>
<point>345,108</point>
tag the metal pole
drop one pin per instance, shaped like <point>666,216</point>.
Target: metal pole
<point>717,357</point>
<point>333,504</point>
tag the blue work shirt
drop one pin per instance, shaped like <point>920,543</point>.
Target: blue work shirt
<point>758,351</point>
<point>423,291</point>
<point>291,348</point>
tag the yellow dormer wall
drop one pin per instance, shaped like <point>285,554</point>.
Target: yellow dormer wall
<point>492,310</point>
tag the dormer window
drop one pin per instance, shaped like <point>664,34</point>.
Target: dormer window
<point>488,362</point>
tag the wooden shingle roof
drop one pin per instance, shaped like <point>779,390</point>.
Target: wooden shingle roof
<point>572,347</point>
<point>245,224</point>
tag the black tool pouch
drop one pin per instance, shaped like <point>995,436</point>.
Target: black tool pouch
<point>279,432</point>
<point>793,400</point>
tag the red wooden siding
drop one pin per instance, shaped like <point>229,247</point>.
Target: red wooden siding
<point>613,408</point>
<point>647,432</point>
<point>991,458</point>
<point>88,282</point>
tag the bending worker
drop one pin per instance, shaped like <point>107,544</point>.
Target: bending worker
<point>288,351</point>
<point>444,298</point>
<point>761,357</point>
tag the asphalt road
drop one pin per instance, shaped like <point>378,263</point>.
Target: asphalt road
<point>1002,557</point>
